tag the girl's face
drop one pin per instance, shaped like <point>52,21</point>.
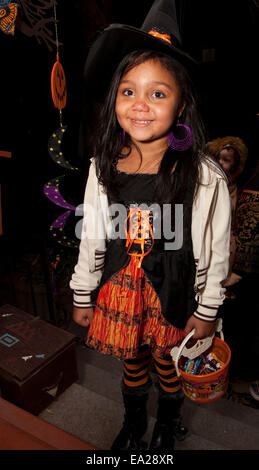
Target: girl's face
<point>148,102</point>
<point>226,159</point>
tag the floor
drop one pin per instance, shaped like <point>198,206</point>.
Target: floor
<point>92,409</point>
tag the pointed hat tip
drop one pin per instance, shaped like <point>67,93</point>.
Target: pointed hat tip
<point>162,17</point>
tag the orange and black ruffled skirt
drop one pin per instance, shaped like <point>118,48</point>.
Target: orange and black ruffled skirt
<point>128,316</point>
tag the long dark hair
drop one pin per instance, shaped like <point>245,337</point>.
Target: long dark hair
<point>108,142</point>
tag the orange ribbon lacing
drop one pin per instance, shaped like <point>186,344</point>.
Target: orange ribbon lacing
<point>139,231</point>
<point>165,37</point>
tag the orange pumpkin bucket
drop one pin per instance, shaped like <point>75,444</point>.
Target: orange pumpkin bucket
<point>209,387</point>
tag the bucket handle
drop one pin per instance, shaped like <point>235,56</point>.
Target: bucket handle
<point>197,349</point>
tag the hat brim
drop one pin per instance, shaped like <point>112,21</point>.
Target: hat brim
<point>112,45</point>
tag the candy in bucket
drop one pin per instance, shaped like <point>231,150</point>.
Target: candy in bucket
<point>206,365</point>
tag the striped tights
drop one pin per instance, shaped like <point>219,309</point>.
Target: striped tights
<point>135,371</point>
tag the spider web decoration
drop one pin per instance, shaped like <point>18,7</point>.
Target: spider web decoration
<point>35,19</point>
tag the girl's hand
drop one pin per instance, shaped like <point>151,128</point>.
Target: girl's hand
<point>83,316</point>
<point>202,328</point>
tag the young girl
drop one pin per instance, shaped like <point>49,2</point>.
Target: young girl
<point>155,234</point>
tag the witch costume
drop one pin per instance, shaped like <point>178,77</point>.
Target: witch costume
<point>143,293</point>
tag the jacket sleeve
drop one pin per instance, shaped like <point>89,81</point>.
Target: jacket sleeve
<point>217,245</point>
<point>88,270</point>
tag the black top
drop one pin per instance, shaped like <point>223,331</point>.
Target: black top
<point>170,271</point>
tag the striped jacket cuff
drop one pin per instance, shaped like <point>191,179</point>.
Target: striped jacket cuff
<point>82,299</point>
<point>99,260</point>
<point>206,312</point>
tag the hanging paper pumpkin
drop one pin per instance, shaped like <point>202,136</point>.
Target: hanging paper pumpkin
<point>58,85</point>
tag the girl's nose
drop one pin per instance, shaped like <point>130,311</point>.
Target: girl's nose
<point>140,105</point>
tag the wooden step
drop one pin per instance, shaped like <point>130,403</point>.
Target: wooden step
<point>20,430</point>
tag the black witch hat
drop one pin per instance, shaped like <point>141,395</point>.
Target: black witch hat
<point>159,32</point>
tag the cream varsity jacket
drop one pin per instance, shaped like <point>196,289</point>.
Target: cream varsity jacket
<point>211,220</point>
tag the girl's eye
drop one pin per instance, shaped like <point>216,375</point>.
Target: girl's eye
<point>158,94</point>
<point>127,92</point>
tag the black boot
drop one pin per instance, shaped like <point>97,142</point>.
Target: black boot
<point>135,420</point>
<point>168,426</point>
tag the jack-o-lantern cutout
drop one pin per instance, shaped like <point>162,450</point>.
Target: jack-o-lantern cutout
<point>58,85</point>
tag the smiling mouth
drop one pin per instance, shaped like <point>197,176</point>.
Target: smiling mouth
<point>138,122</point>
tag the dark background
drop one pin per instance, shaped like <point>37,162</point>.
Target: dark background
<point>227,87</point>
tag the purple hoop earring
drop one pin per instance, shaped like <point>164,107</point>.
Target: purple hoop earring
<point>180,144</point>
<point>123,135</point>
